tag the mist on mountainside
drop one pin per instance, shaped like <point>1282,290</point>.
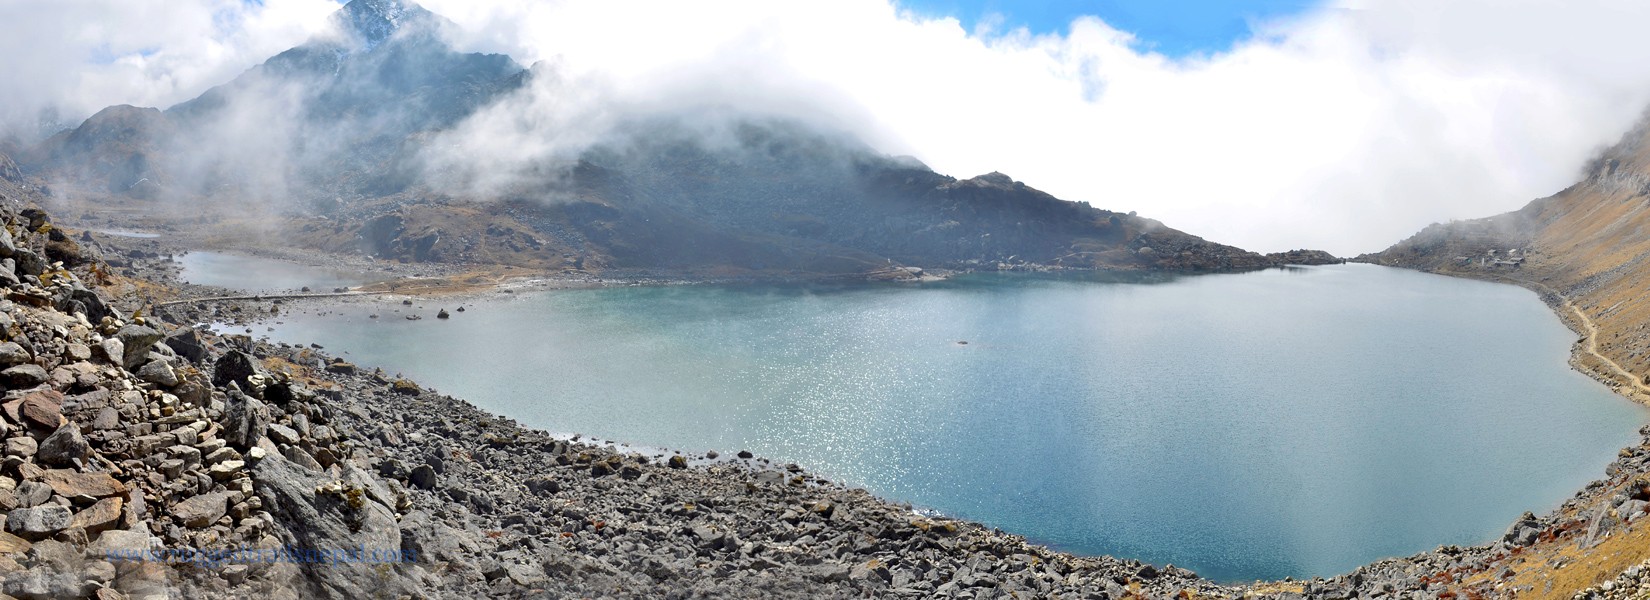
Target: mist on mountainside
<point>320,119</point>
<point>376,137</point>
<point>1343,127</point>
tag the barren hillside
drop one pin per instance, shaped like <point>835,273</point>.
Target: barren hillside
<point>1584,250</point>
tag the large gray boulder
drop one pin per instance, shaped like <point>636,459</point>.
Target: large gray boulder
<point>95,308</point>
<point>38,522</point>
<point>29,263</point>
<point>136,340</point>
<point>244,420</point>
<point>236,367</point>
<point>24,376</point>
<point>159,373</point>
<point>8,273</point>
<point>1523,532</point>
<point>63,447</point>
<point>186,342</point>
<point>13,354</point>
<point>350,512</point>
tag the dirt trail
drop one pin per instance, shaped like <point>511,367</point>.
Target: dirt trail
<point>1590,345</point>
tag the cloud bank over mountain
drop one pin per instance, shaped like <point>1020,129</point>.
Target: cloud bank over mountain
<point>70,58</point>
<point>1344,128</point>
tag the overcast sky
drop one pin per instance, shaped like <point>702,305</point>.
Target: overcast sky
<point>1344,127</point>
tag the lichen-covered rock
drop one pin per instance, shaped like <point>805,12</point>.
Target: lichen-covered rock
<point>32,493</point>
<point>344,513</point>
<point>37,522</point>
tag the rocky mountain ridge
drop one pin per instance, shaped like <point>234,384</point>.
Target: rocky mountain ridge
<point>329,141</point>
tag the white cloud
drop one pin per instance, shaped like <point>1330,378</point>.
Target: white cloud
<point>1345,129</point>
<point>77,56</point>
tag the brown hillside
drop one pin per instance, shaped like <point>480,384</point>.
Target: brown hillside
<point>1584,250</point>
<point>1586,245</point>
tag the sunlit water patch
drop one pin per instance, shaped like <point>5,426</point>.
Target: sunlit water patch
<point>1269,424</point>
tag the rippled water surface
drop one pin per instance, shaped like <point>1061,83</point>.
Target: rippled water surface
<point>1279,423</point>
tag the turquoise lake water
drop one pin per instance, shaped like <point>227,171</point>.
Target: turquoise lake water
<point>1293,422</point>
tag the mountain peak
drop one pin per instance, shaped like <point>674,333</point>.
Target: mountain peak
<point>376,21</point>
<point>993,179</point>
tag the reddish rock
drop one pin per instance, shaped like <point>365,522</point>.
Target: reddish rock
<point>43,409</point>
<point>67,483</point>
<point>102,516</point>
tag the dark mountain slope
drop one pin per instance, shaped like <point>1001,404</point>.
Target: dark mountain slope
<point>332,137</point>
<point>773,196</point>
<point>309,121</point>
<point>114,149</point>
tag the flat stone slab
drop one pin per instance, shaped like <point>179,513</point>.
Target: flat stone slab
<point>201,511</point>
<point>67,483</point>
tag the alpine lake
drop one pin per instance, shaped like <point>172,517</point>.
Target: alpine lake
<point>1288,422</point>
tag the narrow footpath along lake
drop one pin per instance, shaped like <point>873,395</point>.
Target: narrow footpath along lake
<point>1289,422</point>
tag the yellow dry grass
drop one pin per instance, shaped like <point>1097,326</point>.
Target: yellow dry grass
<point>119,286</point>
<point>1273,588</point>
<point>475,280</point>
<point>1577,568</point>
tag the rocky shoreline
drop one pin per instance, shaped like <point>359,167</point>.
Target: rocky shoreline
<point>175,439</point>
<point>128,434</point>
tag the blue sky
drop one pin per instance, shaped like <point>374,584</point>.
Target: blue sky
<point>1171,27</point>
